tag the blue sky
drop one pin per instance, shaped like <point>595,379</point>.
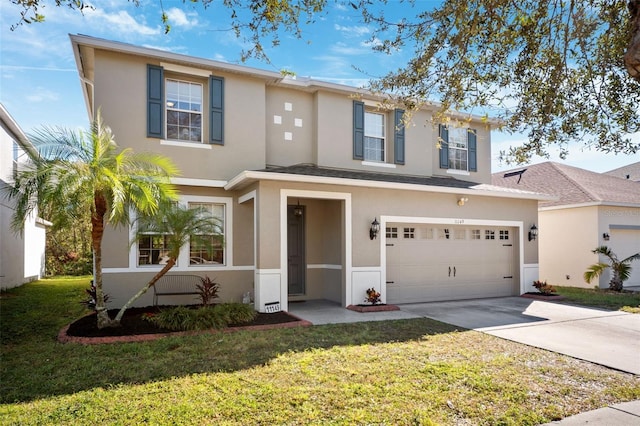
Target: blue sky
<point>39,83</point>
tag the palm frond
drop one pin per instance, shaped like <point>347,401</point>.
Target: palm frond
<point>594,271</point>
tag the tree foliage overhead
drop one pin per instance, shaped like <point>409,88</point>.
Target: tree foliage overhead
<point>552,69</point>
<point>557,70</point>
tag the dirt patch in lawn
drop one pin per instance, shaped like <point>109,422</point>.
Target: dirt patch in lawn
<point>135,328</point>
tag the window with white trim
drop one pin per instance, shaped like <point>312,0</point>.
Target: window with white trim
<point>374,140</point>
<point>458,148</point>
<point>153,249</point>
<point>210,249</point>
<point>184,110</point>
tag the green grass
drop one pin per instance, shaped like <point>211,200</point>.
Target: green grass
<point>392,372</point>
<point>601,298</point>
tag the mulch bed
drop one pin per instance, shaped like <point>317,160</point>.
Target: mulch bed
<point>134,328</point>
<point>541,296</point>
<point>383,307</point>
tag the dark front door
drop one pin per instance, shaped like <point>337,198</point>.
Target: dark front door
<point>295,248</point>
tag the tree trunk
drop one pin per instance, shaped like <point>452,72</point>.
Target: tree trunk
<point>97,231</point>
<point>144,289</point>
<point>616,283</point>
<point>632,56</point>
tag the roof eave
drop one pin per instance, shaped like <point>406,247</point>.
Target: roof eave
<point>248,177</point>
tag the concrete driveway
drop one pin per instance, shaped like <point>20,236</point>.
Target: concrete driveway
<point>608,338</point>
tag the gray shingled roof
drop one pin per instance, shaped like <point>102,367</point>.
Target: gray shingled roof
<point>571,185</point>
<point>630,171</point>
<point>448,182</point>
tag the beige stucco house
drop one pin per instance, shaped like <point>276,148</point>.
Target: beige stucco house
<point>591,209</point>
<point>298,170</point>
<point>22,256</point>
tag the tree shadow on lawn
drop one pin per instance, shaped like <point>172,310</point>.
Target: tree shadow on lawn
<point>60,369</point>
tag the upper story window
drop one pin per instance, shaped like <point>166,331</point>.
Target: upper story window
<point>371,135</point>
<point>184,110</point>
<point>458,148</point>
<point>16,155</point>
<point>374,139</point>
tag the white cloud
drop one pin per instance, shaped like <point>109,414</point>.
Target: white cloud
<point>178,18</point>
<point>42,95</point>
<point>121,22</point>
<point>349,50</point>
<point>353,31</point>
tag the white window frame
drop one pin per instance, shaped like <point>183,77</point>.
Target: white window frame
<point>380,137</point>
<point>458,144</point>
<point>168,108</point>
<point>183,263</point>
<point>224,221</point>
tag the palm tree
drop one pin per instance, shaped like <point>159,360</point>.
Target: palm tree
<point>621,268</point>
<point>82,176</point>
<point>180,225</point>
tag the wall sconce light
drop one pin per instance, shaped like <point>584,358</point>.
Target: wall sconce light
<point>375,228</point>
<point>462,200</point>
<point>297,210</point>
<point>605,236</point>
<point>533,232</point>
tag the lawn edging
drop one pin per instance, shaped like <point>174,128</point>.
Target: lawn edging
<point>63,337</point>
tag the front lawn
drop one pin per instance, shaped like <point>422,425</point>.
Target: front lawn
<point>601,298</point>
<point>393,372</point>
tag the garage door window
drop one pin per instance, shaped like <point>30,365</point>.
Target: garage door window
<point>392,232</point>
<point>489,234</point>
<point>504,234</point>
<point>475,234</point>
<point>410,233</point>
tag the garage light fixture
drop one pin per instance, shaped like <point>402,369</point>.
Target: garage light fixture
<point>533,232</point>
<point>375,228</point>
<point>462,200</point>
<point>605,236</point>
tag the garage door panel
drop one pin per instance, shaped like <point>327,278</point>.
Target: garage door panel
<point>625,242</point>
<point>468,264</point>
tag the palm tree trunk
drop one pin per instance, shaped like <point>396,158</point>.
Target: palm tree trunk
<point>144,289</point>
<point>97,231</point>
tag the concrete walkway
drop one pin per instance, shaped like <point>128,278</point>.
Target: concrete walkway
<point>607,338</point>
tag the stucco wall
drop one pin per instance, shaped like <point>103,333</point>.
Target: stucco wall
<point>120,91</point>
<point>566,238</point>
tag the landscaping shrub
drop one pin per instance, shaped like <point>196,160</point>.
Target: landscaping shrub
<point>182,318</point>
<point>207,290</point>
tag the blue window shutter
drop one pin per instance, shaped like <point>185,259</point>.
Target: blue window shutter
<point>472,147</point>
<point>358,130</point>
<point>398,139</point>
<point>444,146</point>
<point>155,99</point>
<point>216,110</point>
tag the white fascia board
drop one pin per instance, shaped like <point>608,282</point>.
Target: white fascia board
<point>170,56</point>
<point>209,183</point>
<point>591,204</point>
<point>250,176</point>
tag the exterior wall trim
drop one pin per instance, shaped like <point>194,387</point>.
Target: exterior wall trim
<point>448,221</point>
<point>324,266</point>
<point>592,204</point>
<point>247,176</point>
<point>210,183</point>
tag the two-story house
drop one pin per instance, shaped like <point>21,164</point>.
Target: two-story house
<point>322,193</point>
<point>22,255</point>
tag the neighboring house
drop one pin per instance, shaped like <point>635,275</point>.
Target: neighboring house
<point>630,172</point>
<point>298,170</point>
<point>592,209</point>
<point>21,255</point>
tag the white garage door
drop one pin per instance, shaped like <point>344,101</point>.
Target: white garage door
<point>624,243</point>
<point>437,262</point>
